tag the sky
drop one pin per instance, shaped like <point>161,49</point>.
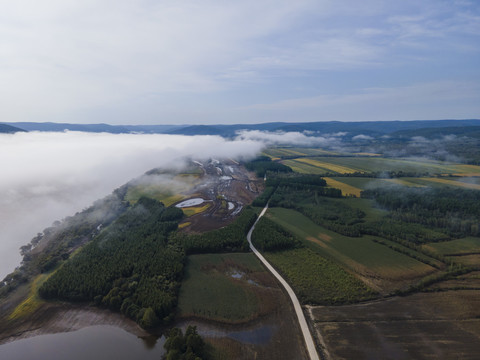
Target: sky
<point>206,62</point>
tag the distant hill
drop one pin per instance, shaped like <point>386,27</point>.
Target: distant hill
<point>56,127</point>
<point>97,128</point>
<point>372,128</point>
<point>4,128</point>
<point>431,133</point>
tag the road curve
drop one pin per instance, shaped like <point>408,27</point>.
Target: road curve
<point>298,309</point>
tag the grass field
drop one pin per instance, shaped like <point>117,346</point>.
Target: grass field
<point>288,152</point>
<point>160,193</point>
<point>33,300</point>
<point>317,280</point>
<point>362,183</point>
<point>167,188</point>
<point>378,164</point>
<point>303,168</point>
<point>221,287</point>
<point>460,246</point>
<point>362,255</point>
<point>323,164</point>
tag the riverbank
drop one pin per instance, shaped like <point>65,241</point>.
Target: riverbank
<point>52,318</point>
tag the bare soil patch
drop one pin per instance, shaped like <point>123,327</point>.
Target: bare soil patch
<point>438,325</point>
<point>324,237</point>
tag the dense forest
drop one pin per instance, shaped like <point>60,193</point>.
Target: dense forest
<point>453,211</point>
<point>268,236</point>
<point>129,267</point>
<point>262,164</point>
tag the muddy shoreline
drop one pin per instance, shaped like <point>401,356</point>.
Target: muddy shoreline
<point>58,318</point>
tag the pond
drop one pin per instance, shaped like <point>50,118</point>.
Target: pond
<point>90,343</point>
<point>190,202</point>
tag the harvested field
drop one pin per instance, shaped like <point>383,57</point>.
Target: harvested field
<point>440,325</point>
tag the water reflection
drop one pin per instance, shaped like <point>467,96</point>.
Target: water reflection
<point>91,343</point>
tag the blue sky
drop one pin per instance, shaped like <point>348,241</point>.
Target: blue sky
<point>179,62</point>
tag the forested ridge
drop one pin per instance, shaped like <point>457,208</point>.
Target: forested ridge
<point>129,267</point>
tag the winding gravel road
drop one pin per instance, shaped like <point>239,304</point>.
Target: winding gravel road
<point>298,309</point>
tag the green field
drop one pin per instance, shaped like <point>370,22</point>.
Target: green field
<point>378,164</point>
<point>217,287</point>
<point>317,280</point>
<point>167,188</point>
<point>362,255</point>
<point>460,246</point>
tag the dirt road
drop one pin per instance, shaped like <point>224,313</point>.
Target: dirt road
<point>298,309</point>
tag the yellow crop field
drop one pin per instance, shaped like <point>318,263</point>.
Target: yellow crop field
<point>346,189</point>
<point>454,183</point>
<point>466,170</point>
<point>194,210</point>
<point>337,168</point>
<point>184,225</point>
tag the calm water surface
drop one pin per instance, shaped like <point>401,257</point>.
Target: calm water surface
<point>91,343</point>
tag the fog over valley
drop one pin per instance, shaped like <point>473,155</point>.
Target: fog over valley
<point>48,176</point>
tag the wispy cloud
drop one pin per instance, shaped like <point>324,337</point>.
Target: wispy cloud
<point>288,138</point>
<point>390,103</point>
<point>151,60</point>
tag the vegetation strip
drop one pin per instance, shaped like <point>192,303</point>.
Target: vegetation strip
<point>298,309</point>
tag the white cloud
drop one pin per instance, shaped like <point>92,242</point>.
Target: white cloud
<point>362,137</point>
<point>286,138</point>
<point>130,61</point>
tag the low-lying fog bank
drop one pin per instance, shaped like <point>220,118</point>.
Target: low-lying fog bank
<point>48,176</point>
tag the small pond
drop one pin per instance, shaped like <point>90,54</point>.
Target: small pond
<point>190,202</point>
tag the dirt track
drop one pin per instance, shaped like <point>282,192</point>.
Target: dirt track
<point>312,351</point>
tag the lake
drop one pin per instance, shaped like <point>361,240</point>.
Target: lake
<point>92,343</point>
